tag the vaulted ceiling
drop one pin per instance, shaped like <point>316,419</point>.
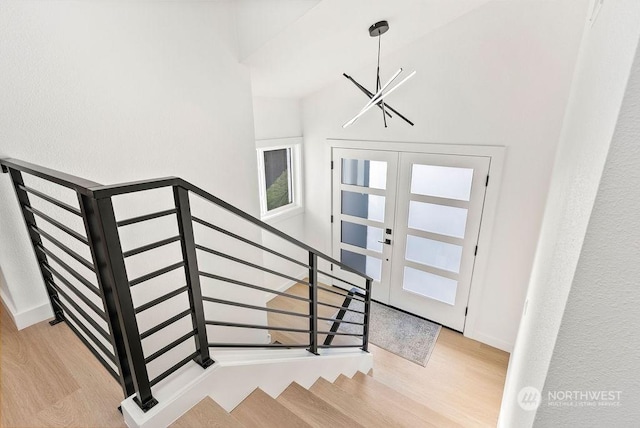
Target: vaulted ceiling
<point>296,47</point>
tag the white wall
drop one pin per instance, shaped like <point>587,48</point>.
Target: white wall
<point>122,91</point>
<point>258,21</point>
<point>601,77</point>
<point>598,342</point>
<point>499,75</point>
<point>276,118</point>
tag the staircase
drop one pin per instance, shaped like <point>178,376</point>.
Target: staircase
<point>360,401</point>
<point>170,288</point>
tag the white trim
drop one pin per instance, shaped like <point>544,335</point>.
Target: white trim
<point>288,284</point>
<point>496,167</point>
<point>296,183</point>
<point>29,317</point>
<point>434,148</point>
<point>236,374</point>
<point>503,345</point>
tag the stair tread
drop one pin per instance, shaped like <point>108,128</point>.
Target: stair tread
<point>259,409</point>
<point>349,404</point>
<point>313,409</point>
<point>402,409</point>
<point>207,413</point>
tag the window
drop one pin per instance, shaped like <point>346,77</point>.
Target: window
<point>279,177</point>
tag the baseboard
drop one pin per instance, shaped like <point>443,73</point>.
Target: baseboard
<point>29,317</point>
<point>503,345</point>
<point>287,284</point>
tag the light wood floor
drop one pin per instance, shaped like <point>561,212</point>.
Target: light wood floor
<point>463,379</point>
<point>49,379</point>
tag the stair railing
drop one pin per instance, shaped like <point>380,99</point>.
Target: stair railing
<point>86,278</point>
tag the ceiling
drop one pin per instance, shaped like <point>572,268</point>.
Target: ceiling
<point>297,47</point>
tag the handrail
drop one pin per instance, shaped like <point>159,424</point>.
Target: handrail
<point>78,184</point>
<point>208,196</point>
<point>114,284</point>
<point>99,191</point>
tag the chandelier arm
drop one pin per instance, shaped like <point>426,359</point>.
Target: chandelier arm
<point>373,100</point>
<point>370,95</point>
<point>379,96</point>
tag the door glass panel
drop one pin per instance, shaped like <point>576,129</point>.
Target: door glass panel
<point>440,219</point>
<point>365,173</point>
<point>429,285</point>
<point>371,266</point>
<point>441,181</point>
<point>441,255</point>
<point>363,205</point>
<point>362,236</point>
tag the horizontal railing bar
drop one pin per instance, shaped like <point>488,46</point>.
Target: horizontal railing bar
<point>75,291</point>
<point>169,347</point>
<point>352,297</point>
<point>152,246</point>
<point>164,324</point>
<point>336,333</point>
<point>255,345</point>
<point>84,281</point>
<point>94,352</point>
<point>225,205</point>
<point>248,241</point>
<point>94,339</point>
<point>66,180</point>
<point>259,308</point>
<point>51,200</point>
<point>101,192</point>
<point>156,273</point>
<point>161,299</point>
<point>145,217</point>
<point>340,307</point>
<point>254,326</point>
<point>341,346</point>
<point>254,287</point>
<point>336,278</point>
<point>57,224</point>
<point>340,321</point>
<point>64,248</point>
<point>77,307</point>
<point>253,265</point>
<point>173,369</point>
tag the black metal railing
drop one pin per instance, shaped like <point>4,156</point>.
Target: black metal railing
<point>142,340</point>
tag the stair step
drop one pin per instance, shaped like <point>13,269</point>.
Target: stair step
<point>350,405</point>
<point>403,410</point>
<point>260,410</point>
<point>207,413</point>
<point>313,409</point>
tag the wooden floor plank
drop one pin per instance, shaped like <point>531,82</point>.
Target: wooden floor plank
<point>357,409</point>
<point>260,410</point>
<point>315,411</point>
<point>45,370</point>
<point>206,414</point>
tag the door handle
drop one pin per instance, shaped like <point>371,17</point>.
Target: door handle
<point>386,241</point>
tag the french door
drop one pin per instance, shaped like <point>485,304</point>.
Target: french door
<point>411,222</point>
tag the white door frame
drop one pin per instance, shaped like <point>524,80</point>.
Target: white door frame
<point>496,166</point>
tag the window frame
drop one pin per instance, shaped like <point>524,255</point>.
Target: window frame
<point>295,177</point>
